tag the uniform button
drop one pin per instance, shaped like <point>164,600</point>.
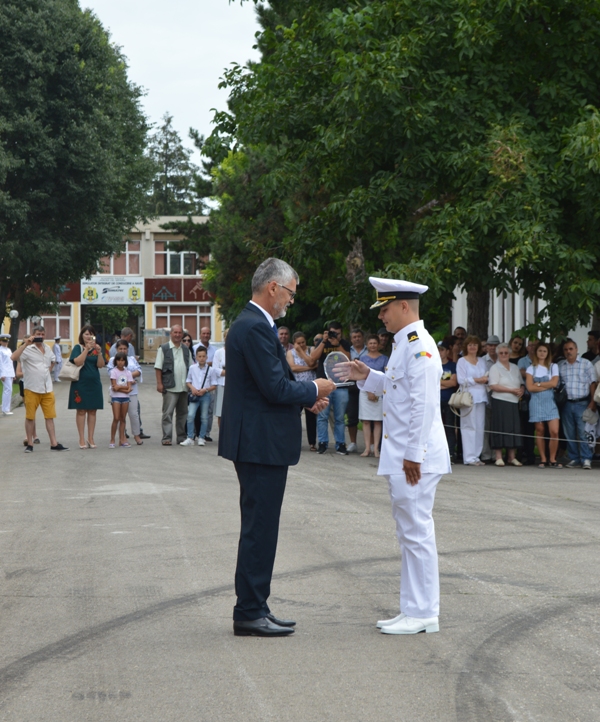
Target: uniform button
<point>394,386</point>
<point>384,413</point>
<point>385,369</point>
<point>385,437</point>
<point>384,391</point>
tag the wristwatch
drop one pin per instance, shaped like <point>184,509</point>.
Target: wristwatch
<point>539,384</point>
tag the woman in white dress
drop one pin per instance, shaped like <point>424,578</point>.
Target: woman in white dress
<point>370,407</point>
<point>471,372</point>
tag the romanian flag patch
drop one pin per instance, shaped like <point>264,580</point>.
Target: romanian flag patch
<point>412,336</point>
<point>422,353</point>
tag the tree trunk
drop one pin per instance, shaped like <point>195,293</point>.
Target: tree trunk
<point>478,313</point>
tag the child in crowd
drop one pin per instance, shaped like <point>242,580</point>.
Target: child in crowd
<point>134,406</point>
<point>121,382</point>
<point>201,379</point>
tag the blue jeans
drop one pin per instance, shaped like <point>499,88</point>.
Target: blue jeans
<point>338,400</point>
<point>204,402</point>
<point>574,427</point>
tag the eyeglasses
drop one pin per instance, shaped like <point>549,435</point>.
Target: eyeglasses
<point>292,293</point>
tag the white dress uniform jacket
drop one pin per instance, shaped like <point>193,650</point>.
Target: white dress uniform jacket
<point>412,422</point>
<point>7,368</point>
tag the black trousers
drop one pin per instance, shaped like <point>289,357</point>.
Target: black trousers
<point>261,495</point>
<point>352,407</point>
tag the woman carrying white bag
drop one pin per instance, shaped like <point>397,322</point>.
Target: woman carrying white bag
<point>472,376</point>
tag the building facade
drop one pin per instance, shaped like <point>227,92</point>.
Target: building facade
<point>159,287</point>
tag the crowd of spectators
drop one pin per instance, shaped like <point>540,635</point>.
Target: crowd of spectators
<point>524,395</point>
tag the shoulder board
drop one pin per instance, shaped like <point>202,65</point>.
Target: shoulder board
<point>412,336</point>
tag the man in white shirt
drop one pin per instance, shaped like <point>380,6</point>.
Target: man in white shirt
<point>205,335</point>
<point>219,366</point>
<point>37,361</point>
<point>7,374</point>
<point>126,335</point>
<point>414,451</point>
<point>171,368</point>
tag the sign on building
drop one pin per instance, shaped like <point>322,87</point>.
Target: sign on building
<point>112,290</point>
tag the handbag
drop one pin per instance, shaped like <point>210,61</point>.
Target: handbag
<point>69,372</point>
<point>461,399</point>
<point>524,401</point>
<point>560,395</point>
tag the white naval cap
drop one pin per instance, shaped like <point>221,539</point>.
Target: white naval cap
<point>394,289</point>
<point>5,336</point>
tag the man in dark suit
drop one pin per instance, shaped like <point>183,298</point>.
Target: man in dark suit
<point>261,433</point>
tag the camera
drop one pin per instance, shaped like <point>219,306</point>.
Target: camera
<point>333,334</point>
<point>38,339</point>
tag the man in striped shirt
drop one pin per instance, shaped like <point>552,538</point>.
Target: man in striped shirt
<point>579,378</point>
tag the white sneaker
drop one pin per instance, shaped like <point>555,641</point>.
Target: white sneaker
<point>412,625</point>
<point>389,622</point>
<point>187,442</point>
<point>351,448</point>
<point>201,442</point>
<point>7,413</point>
<point>587,464</point>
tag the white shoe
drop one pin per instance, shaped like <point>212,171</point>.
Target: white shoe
<point>499,462</point>
<point>389,622</point>
<point>412,625</point>
<point>515,462</point>
<point>7,413</point>
<point>351,448</point>
<point>201,442</point>
<point>187,442</point>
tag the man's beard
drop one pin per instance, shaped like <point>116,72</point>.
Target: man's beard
<point>278,311</point>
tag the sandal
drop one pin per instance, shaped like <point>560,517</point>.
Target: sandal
<point>555,465</point>
<point>111,446</point>
<point>542,465</point>
<point>313,447</point>
<point>167,443</point>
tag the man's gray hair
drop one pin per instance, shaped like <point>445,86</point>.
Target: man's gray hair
<point>502,345</point>
<point>273,269</point>
<point>127,331</point>
<point>38,328</point>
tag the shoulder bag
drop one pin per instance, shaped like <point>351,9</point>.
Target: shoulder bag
<point>69,371</point>
<point>560,394</point>
<point>461,399</point>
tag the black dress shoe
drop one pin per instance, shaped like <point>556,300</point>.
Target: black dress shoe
<point>262,627</point>
<point>145,436</point>
<point>281,622</point>
<point>207,438</point>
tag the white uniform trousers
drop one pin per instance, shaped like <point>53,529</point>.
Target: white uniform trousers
<point>472,425</point>
<point>412,508</point>
<point>7,393</point>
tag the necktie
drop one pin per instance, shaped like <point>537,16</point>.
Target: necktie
<point>274,327</point>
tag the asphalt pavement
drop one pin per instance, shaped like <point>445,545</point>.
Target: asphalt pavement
<point>117,590</point>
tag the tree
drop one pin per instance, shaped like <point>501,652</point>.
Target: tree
<point>174,188</point>
<point>454,143</point>
<point>73,174</point>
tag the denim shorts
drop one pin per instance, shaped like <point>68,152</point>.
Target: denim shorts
<point>119,400</point>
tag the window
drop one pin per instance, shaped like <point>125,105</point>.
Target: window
<point>191,317</point>
<point>170,263</point>
<point>58,324</point>
<point>123,264</point>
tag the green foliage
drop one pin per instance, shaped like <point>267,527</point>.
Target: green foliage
<point>176,177</point>
<point>459,141</point>
<point>73,174</point>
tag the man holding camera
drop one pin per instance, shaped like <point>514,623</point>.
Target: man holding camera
<point>338,400</point>
<point>37,361</point>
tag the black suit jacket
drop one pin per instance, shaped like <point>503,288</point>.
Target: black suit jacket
<point>261,420</point>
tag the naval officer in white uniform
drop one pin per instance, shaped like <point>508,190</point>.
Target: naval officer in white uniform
<point>7,374</point>
<point>414,451</point>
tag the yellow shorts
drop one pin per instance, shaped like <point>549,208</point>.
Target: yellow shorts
<point>33,400</point>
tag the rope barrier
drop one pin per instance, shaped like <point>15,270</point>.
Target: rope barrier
<point>524,436</point>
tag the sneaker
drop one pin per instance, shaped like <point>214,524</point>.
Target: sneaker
<point>352,448</point>
<point>587,464</point>
<point>207,438</point>
<point>322,448</point>
<point>342,450</point>
<point>573,465</point>
<point>59,447</point>
<point>7,413</point>
<point>201,442</point>
<point>28,449</point>
<point>187,442</point>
